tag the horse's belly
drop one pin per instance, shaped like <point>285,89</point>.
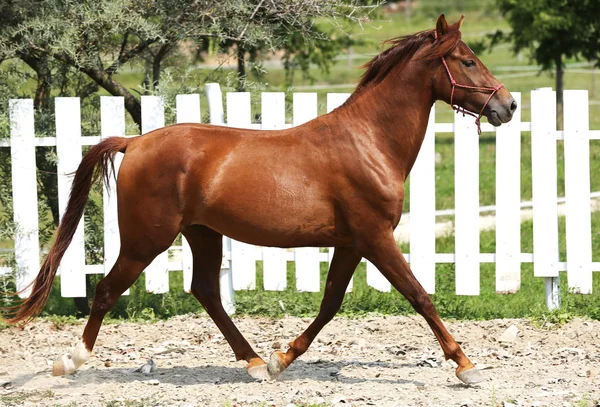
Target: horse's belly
<point>281,223</point>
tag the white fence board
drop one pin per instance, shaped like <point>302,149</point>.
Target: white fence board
<point>466,195</point>
<point>24,187</point>
<point>335,100</point>
<point>188,111</point>
<point>239,113</point>
<point>68,151</point>
<point>508,204</point>
<point>422,211</point>
<point>215,107</point>
<point>308,265</point>
<point>274,259</point>
<point>376,280</point>
<point>577,191</point>
<point>215,103</point>
<point>305,108</point>
<point>543,183</point>
<point>273,110</point>
<point>243,260</point>
<point>242,257</point>
<point>157,273</point>
<point>112,123</point>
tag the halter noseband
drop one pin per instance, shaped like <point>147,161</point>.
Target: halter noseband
<point>455,85</point>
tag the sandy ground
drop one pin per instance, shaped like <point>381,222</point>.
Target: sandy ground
<point>371,361</point>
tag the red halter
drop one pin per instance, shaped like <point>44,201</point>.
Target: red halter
<point>459,109</point>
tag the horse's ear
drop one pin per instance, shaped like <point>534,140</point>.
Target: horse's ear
<point>456,25</point>
<point>441,27</point>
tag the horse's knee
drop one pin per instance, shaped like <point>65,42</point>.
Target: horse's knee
<point>203,292</point>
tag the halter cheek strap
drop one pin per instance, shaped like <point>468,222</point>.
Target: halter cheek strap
<point>462,110</point>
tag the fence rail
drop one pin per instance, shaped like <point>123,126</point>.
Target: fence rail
<point>239,263</point>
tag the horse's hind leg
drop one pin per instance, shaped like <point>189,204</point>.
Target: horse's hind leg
<point>123,274</point>
<point>342,267</point>
<point>207,250</point>
<point>141,242</point>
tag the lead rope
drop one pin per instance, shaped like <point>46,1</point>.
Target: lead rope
<point>462,110</point>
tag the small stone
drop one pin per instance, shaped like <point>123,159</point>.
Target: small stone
<point>276,345</point>
<point>510,335</point>
<point>107,363</point>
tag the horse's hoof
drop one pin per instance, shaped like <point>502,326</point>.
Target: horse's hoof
<point>64,366</point>
<point>470,376</point>
<point>276,366</point>
<point>258,372</point>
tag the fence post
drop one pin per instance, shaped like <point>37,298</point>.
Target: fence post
<point>422,210</point>
<point>188,111</point>
<point>544,192</point>
<point>243,262</point>
<point>157,273</point>
<point>68,151</point>
<point>215,108</point>
<point>274,258</point>
<point>577,191</point>
<point>466,187</point>
<point>508,203</point>
<point>112,123</point>
<point>334,100</point>
<point>24,186</point>
<point>308,265</point>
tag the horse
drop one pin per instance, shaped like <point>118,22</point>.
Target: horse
<point>336,181</point>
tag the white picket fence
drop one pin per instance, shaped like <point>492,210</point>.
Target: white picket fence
<point>239,265</point>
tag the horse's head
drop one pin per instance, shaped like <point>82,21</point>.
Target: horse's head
<point>464,81</point>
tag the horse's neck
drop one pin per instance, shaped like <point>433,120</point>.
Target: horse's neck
<point>396,112</point>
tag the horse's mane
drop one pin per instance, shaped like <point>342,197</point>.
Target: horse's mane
<point>401,51</point>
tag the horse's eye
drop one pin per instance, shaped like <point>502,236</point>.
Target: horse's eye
<point>468,63</point>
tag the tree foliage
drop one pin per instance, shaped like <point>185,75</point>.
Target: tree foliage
<point>553,31</point>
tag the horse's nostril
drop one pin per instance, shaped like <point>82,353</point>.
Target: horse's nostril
<point>513,106</point>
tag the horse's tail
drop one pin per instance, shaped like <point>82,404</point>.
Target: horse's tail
<point>99,161</point>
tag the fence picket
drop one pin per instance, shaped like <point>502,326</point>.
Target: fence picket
<point>243,259</point>
<point>543,183</point>
<point>157,273</point>
<point>274,259</point>
<point>422,211</point>
<point>308,265</point>
<point>335,100</point>
<point>466,192</point>
<point>241,274</point>
<point>508,200</point>
<point>577,191</point>
<point>215,107</point>
<point>112,123</point>
<point>188,111</point>
<point>24,186</point>
<point>68,151</point>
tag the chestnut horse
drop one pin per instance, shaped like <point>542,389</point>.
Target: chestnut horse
<point>337,180</point>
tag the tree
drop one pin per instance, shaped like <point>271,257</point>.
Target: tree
<point>553,31</point>
<point>99,37</point>
<point>76,47</point>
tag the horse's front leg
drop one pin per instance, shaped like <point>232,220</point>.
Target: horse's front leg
<point>343,264</point>
<point>381,250</point>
